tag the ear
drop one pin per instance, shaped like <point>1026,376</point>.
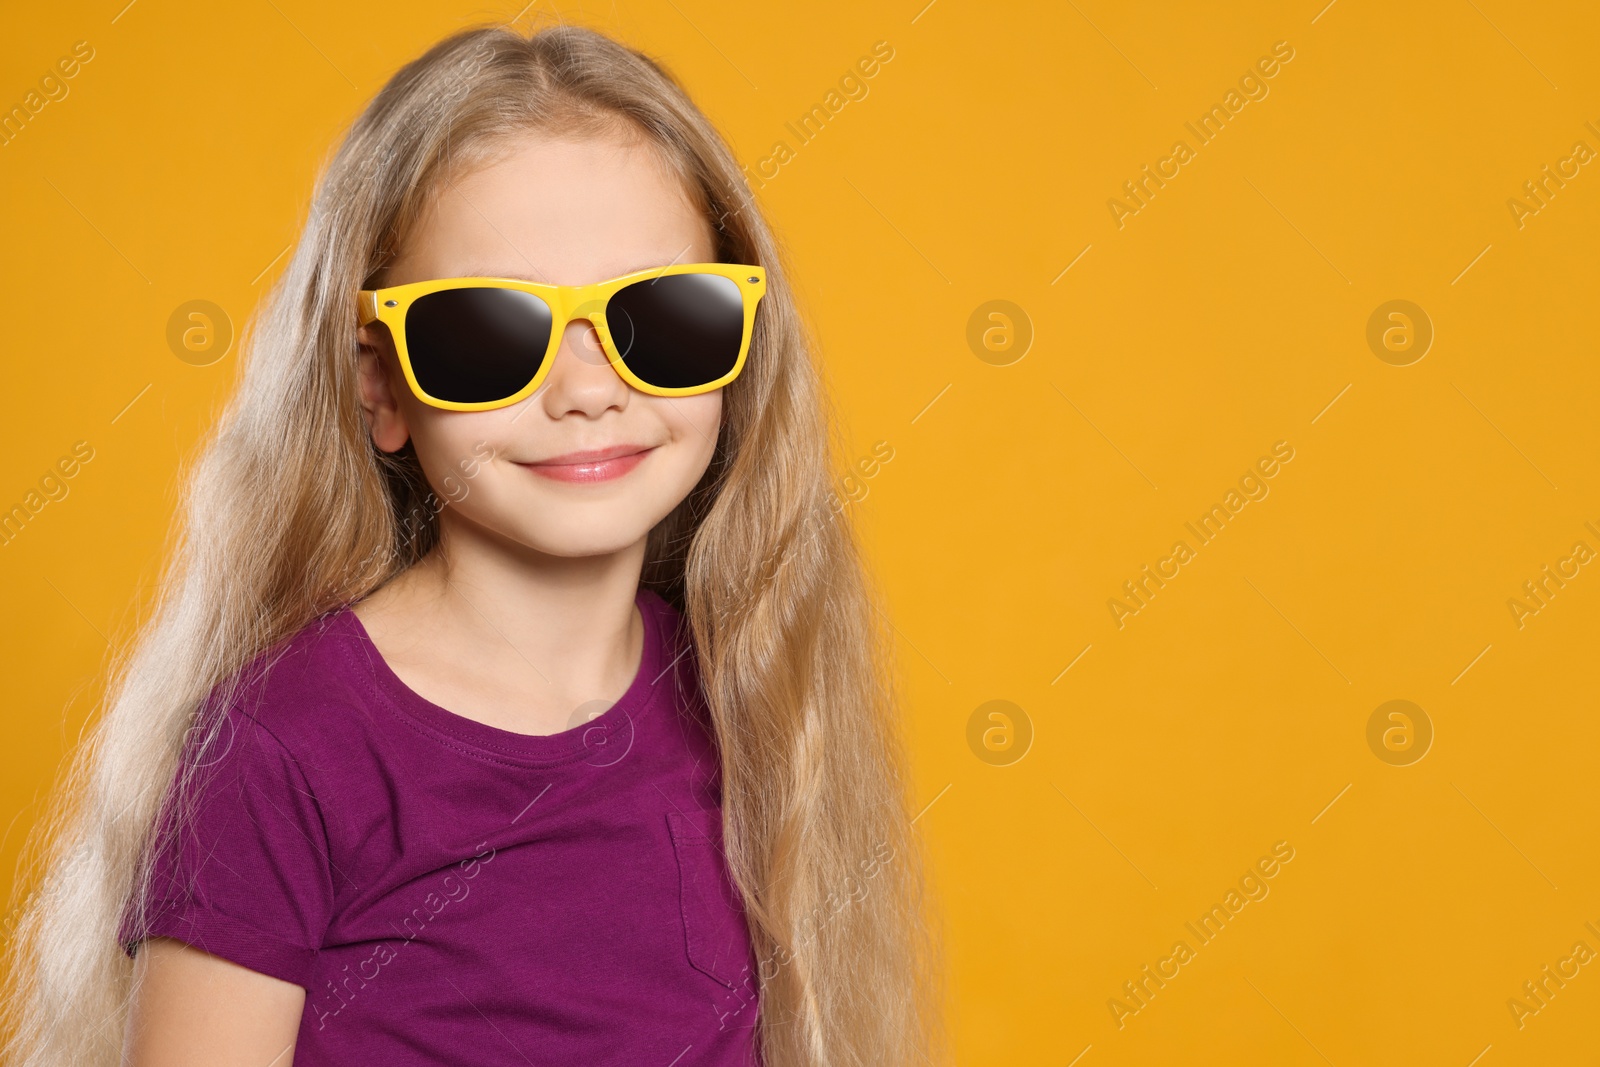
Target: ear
<point>378,368</point>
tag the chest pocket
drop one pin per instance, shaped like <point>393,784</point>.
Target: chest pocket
<point>715,935</point>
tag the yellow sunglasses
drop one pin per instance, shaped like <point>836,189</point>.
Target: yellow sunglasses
<point>473,344</point>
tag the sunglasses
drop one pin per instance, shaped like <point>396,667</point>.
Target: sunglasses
<point>473,344</point>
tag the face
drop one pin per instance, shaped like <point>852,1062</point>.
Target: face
<point>564,213</point>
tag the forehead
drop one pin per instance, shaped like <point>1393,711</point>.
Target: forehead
<point>562,210</point>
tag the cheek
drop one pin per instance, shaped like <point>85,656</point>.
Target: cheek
<point>452,445</point>
<point>701,408</point>
<point>694,422</point>
<point>710,414</point>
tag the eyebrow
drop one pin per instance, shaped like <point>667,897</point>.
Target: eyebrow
<point>485,272</point>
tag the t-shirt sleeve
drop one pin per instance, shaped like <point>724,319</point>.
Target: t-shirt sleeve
<point>241,869</point>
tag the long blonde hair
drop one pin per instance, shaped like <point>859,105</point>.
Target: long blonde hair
<point>290,512</point>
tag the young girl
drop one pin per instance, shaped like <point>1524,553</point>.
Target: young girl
<point>515,694</point>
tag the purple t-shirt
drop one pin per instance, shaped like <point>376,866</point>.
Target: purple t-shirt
<point>449,892</point>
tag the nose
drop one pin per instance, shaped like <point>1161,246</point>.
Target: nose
<point>582,378</point>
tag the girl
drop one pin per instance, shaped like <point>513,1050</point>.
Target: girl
<point>515,694</point>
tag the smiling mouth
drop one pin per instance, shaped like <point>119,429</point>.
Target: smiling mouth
<point>592,455</point>
<point>599,465</point>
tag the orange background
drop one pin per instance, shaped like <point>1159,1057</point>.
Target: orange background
<point>1167,754</point>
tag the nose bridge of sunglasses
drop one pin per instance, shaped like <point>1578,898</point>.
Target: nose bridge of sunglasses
<point>592,309</point>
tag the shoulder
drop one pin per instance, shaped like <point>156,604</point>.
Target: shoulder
<point>301,693</point>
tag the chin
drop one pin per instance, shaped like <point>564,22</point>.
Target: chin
<point>583,551</point>
<point>599,539</point>
<point>564,528</point>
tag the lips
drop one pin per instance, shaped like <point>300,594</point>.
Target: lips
<point>595,465</point>
<point>592,456</point>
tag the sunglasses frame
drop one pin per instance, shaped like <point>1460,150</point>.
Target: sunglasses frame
<point>567,303</point>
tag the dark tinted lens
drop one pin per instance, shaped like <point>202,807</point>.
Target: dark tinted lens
<point>472,346</point>
<point>678,330</point>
